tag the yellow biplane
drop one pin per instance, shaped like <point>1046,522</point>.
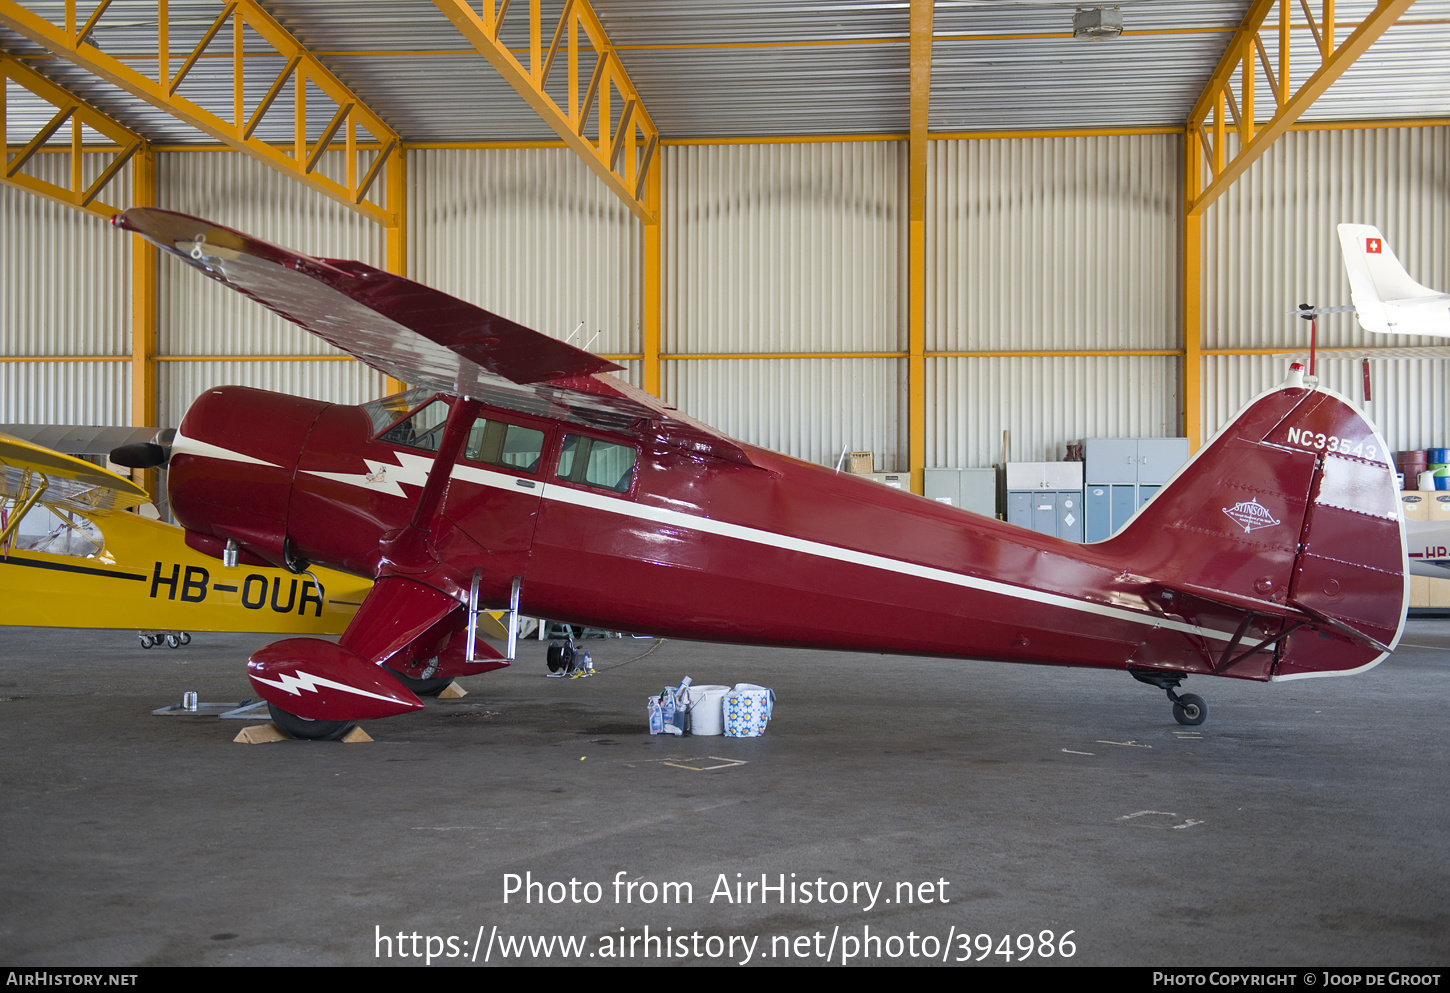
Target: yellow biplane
<point>104,566</point>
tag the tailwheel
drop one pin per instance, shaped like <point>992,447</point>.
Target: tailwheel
<point>1190,709</point>
<point>306,729</point>
<point>419,685</point>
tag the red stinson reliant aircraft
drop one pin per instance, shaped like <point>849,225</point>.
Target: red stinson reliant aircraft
<point>519,474</point>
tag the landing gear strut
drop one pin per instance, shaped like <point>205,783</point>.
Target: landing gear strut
<point>1189,709</point>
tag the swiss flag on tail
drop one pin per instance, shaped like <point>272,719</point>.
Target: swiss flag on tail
<point>1372,246</point>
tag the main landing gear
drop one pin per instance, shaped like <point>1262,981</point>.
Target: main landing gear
<point>305,728</point>
<point>1189,709</point>
<point>171,639</point>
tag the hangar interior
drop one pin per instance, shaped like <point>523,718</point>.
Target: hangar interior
<point>935,232</point>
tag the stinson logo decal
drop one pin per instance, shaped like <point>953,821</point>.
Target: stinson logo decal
<point>1250,515</point>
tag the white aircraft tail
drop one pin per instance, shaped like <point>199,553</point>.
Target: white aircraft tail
<point>1387,299</point>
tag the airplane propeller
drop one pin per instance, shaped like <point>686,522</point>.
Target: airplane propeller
<point>153,454</point>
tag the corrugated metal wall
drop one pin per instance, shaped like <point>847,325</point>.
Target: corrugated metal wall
<point>1270,244</point>
<point>531,234</point>
<point>1050,244</point>
<point>782,249</point>
<point>1044,402</point>
<point>1038,244</point>
<point>64,290</point>
<point>1410,397</point>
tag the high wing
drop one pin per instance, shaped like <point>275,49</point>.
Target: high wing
<point>425,337</point>
<point>1387,299</point>
<point>30,473</point>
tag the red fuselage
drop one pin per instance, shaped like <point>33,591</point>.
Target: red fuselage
<point>780,553</point>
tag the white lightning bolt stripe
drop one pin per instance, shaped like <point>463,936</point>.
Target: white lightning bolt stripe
<point>300,681</point>
<point>384,477</point>
<point>181,444</point>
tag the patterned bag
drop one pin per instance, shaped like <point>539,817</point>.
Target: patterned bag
<point>747,710</point>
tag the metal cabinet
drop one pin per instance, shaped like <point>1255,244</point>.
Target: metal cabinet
<point>970,489</point>
<point>1046,497</point>
<point>1122,474</point>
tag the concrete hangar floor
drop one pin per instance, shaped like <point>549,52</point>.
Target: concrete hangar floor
<point>897,810</point>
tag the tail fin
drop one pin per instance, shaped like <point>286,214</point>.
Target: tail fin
<point>1288,522</point>
<point>1387,300</point>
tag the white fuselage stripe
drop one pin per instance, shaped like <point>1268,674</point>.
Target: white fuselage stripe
<point>770,539</point>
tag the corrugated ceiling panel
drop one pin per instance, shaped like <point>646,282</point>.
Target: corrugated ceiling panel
<point>531,234</point>
<point>65,393</point>
<point>1044,403</point>
<point>1270,242</point>
<point>754,92</point>
<point>65,274</point>
<point>808,408</point>
<point>1068,82</point>
<point>693,22</point>
<point>1053,244</point>
<point>337,381</point>
<point>1008,16</point>
<point>784,248</point>
<point>1411,397</point>
<point>198,316</point>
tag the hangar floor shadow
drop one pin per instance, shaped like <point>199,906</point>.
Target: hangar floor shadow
<point>1304,824</point>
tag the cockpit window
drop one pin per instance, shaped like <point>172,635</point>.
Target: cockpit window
<point>502,444</point>
<point>387,410</point>
<point>596,463</point>
<point>423,430</point>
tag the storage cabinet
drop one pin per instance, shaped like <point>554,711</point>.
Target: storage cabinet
<point>1122,473</point>
<point>1046,497</point>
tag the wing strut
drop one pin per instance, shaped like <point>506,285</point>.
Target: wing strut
<point>22,510</point>
<point>410,548</point>
<point>1228,659</point>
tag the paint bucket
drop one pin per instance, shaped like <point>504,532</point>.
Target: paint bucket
<point>1437,456</point>
<point>707,709</point>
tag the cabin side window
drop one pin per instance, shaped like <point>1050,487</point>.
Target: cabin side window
<point>508,445</point>
<point>597,463</point>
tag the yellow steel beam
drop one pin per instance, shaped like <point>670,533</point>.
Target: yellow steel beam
<point>620,149</point>
<point>650,296</point>
<point>396,240</point>
<point>70,109</point>
<point>1245,55</point>
<point>921,11</point>
<point>1192,392</point>
<point>144,294</point>
<point>230,125</point>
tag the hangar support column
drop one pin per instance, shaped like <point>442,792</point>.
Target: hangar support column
<point>921,11</point>
<point>144,264</point>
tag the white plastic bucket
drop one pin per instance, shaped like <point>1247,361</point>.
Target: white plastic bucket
<point>707,708</point>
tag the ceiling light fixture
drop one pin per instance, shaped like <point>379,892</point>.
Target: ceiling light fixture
<point>1097,23</point>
